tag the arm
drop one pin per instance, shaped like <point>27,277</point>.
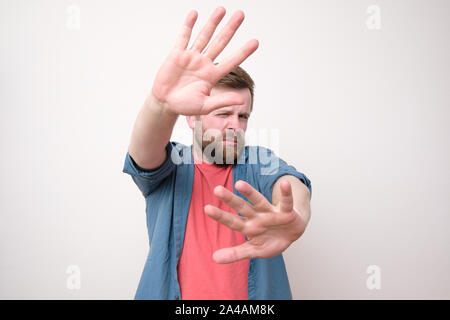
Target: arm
<point>151,133</point>
<point>183,84</point>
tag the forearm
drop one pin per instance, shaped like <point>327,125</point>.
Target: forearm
<point>151,133</point>
<point>302,198</point>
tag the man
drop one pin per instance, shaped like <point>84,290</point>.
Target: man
<point>219,214</point>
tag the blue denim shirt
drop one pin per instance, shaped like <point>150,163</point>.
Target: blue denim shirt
<point>167,191</point>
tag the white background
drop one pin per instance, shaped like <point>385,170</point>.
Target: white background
<point>364,113</point>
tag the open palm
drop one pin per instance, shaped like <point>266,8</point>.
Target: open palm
<point>270,229</point>
<point>184,81</point>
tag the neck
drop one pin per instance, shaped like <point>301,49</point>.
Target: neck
<point>199,158</point>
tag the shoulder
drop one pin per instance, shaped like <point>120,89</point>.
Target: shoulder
<point>179,153</point>
<point>179,147</point>
<point>258,155</point>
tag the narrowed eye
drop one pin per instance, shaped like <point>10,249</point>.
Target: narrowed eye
<point>243,116</point>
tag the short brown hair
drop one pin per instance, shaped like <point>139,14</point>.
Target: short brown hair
<point>238,78</point>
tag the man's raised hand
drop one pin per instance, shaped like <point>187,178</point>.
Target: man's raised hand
<point>184,81</point>
<point>270,229</point>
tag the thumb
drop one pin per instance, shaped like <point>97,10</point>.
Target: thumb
<point>233,254</point>
<point>221,100</point>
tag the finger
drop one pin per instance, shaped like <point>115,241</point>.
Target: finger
<point>233,201</point>
<point>286,200</point>
<point>258,201</point>
<point>186,30</point>
<point>208,30</point>
<point>231,62</point>
<point>278,219</point>
<point>221,100</point>
<point>233,254</point>
<point>230,220</point>
<point>225,35</point>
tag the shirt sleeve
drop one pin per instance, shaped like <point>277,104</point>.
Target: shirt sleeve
<point>148,180</point>
<point>273,168</point>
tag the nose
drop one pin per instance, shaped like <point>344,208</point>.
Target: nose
<point>233,122</point>
<point>234,129</point>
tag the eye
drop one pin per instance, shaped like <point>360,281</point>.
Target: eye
<point>243,116</point>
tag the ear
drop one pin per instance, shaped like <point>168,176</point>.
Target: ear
<point>191,121</point>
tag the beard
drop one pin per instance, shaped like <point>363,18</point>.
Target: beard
<point>215,150</point>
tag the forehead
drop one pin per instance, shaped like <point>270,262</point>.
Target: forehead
<point>243,92</point>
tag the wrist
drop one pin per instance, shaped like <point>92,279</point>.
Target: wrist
<point>158,107</point>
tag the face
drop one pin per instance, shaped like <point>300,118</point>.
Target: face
<point>221,133</point>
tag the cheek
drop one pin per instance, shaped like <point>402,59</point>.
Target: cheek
<point>243,126</point>
<point>212,127</point>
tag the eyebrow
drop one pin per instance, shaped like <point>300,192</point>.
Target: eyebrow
<point>228,111</point>
<point>223,109</point>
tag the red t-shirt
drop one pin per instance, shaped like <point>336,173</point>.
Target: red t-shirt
<point>199,276</point>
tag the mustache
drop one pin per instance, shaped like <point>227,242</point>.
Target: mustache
<point>235,136</point>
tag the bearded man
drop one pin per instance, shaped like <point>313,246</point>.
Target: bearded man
<point>219,213</point>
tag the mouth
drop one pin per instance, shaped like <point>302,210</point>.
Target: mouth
<point>230,141</point>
